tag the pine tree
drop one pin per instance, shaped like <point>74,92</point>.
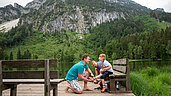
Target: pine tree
<point>35,57</point>
<point>11,56</point>
<point>55,55</point>
<point>19,54</point>
<point>168,48</point>
<point>2,54</point>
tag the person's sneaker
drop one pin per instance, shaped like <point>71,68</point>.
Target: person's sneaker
<point>96,81</point>
<point>104,88</point>
<point>91,78</point>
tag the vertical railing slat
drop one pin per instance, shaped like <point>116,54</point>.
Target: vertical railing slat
<point>47,79</point>
<point>1,78</point>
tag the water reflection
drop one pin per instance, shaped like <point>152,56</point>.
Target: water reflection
<point>139,65</point>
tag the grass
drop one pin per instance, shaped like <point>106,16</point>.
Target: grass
<point>152,81</point>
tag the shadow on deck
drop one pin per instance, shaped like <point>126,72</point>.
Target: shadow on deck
<point>38,90</point>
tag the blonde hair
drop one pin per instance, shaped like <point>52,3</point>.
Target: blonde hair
<point>104,58</point>
<point>103,55</point>
<point>93,62</point>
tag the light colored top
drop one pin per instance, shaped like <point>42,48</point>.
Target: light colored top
<point>105,64</point>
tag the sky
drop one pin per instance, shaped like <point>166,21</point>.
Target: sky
<point>20,2</point>
<point>152,4</point>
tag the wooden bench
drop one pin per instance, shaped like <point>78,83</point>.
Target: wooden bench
<point>121,73</point>
<point>10,78</point>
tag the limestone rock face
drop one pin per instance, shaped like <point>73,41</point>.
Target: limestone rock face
<point>10,12</point>
<point>35,4</point>
<point>64,15</point>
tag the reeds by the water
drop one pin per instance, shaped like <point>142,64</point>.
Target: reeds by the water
<point>152,81</point>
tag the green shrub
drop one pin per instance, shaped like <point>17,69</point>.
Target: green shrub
<point>165,78</point>
<point>151,71</point>
<point>151,82</point>
<point>159,88</point>
<point>166,69</point>
<point>139,85</point>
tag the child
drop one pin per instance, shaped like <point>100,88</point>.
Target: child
<point>105,70</point>
<point>98,67</point>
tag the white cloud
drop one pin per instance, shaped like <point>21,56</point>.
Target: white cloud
<point>153,4</point>
<point>7,2</point>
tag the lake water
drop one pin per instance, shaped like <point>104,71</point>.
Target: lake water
<point>134,66</point>
<point>139,65</point>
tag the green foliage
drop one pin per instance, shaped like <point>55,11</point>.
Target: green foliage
<point>161,16</point>
<point>19,54</point>
<point>168,47</point>
<point>151,71</point>
<point>11,56</point>
<point>2,53</point>
<point>134,38</point>
<point>17,35</point>
<point>139,85</point>
<point>165,78</point>
<point>151,82</point>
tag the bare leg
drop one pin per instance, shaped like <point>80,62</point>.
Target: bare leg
<point>97,71</point>
<point>100,82</point>
<point>103,83</point>
<point>86,75</point>
<point>97,77</point>
<point>69,87</point>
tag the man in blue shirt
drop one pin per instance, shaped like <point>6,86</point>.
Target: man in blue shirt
<point>77,71</point>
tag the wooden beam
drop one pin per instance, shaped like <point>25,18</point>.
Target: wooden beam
<point>47,79</point>
<point>31,81</point>
<point>13,91</point>
<point>119,68</point>
<point>28,74</point>
<point>1,78</point>
<point>28,63</point>
<point>112,85</point>
<point>55,90</point>
<point>128,81</point>
<point>120,61</point>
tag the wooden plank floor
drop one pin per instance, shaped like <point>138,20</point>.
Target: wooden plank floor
<point>38,90</point>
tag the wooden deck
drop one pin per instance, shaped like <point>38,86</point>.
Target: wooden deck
<point>38,90</point>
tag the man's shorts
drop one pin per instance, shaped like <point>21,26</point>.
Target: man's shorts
<point>74,84</point>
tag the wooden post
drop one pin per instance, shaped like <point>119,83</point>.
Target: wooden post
<point>128,85</point>
<point>112,85</point>
<point>47,79</point>
<point>1,78</point>
<point>13,91</point>
<point>55,90</point>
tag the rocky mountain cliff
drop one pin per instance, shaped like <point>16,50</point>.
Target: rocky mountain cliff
<point>35,4</point>
<point>10,12</point>
<point>79,15</point>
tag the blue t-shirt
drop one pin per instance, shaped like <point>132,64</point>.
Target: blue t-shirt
<point>75,70</point>
<point>99,64</point>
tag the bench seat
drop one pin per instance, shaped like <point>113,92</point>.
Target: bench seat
<point>117,74</point>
